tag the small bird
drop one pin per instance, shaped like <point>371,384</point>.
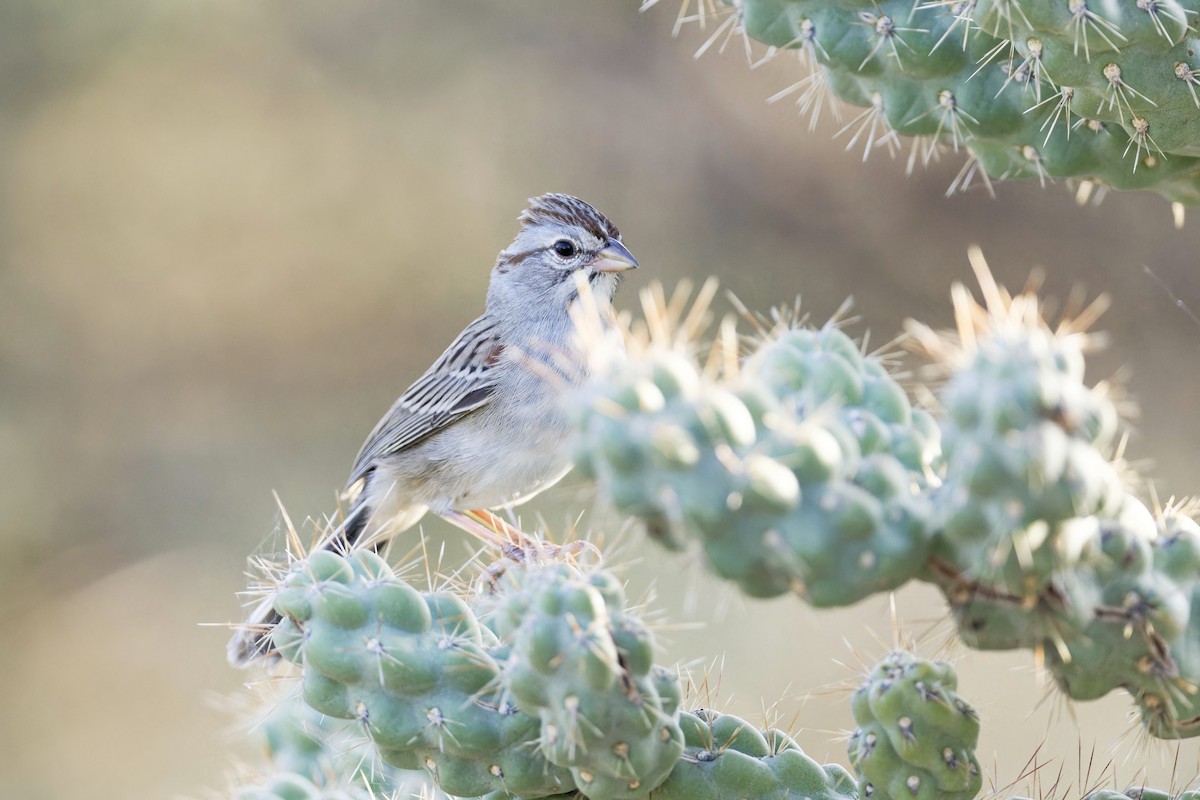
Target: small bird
<point>485,427</point>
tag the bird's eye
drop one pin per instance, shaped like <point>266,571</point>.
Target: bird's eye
<point>565,248</point>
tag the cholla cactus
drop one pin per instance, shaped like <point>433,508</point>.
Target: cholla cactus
<point>540,685</point>
<point>794,463</point>
<point>418,671</point>
<point>540,682</point>
<point>1102,92</point>
<point>806,469</point>
<point>585,666</point>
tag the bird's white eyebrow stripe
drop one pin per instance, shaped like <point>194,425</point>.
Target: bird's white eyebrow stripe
<point>507,260</point>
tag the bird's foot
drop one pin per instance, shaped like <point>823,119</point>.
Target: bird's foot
<point>515,544</point>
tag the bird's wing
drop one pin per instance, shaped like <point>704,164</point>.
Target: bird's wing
<point>459,382</point>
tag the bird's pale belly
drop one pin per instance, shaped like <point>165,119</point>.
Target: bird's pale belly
<point>513,459</point>
<point>521,466</point>
<point>539,476</point>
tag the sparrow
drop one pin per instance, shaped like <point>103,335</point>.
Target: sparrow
<point>487,425</point>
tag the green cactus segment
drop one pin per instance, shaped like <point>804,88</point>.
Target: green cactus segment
<point>1027,446</point>
<point>555,691</point>
<point>309,756</point>
<point>802,475</point>
<point>1115,638</point>
<point>1165,607</point>
<point>1032,88</point>
<point>915,738</point>
<point>296,739</point>
<point>728,757</point>
<point>1039,545</point>
<point>645,428</point>
<point>585,667</point>
<point>1029,483</point>
<point>1142,588</point>
<point>823,370</point>
<point>1046,595</point>
<point>416,670</point>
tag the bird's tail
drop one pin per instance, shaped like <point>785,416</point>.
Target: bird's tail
<point>251,639</point>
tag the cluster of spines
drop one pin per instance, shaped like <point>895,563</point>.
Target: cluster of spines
<point>1026,88</point>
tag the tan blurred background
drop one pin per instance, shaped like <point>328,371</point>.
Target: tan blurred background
<point>231,232</point>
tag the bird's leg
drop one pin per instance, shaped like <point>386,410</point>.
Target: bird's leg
<point>464,521</point>
<point>512,537</point>
<point>511,541</point>
<point>489,528</point>
<point>520,546</point>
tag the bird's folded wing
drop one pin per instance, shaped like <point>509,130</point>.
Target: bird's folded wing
<point>459,382</point>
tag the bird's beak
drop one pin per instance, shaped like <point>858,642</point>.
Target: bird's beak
<point>613,258</point>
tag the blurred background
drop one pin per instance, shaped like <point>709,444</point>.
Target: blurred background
<point>231,233</point>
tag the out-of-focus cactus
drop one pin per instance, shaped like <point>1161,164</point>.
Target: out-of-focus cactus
<point>310,756</point>
<point>1099,91</point>
<point>1142,634</point>
<point>1029,476</point>
<point>1026,441</point>
<point>301,741</point>
<point>291,786</point>
<point>806,469</point>
<point>801,475</point>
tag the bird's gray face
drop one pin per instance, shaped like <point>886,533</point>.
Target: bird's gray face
<point>561,240</point>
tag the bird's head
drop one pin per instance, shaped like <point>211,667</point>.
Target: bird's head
<point>561,237</point>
